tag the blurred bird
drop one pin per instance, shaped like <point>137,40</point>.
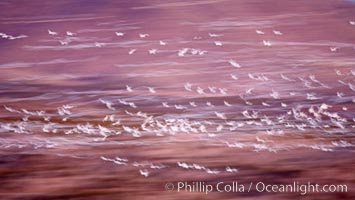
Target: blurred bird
<point>227,104</point>
<point>151,90</point>
<point>144,172</point>
<point>218,43</point>
<point>277,32</point>
<point>119,34</point>
<point>52,32</point>
<point>132,51</point>
<point>143,35</point>
<point>267,43</point>
<point>108,104</point>
<point>128,88</point>
<point>234,63</point>
<point>99,44</point>
<point>259,32</point>
<point>188,86</point>
<point>70,33</point>
<point>333,49</point>
<point>214,35</point>
<point>231,170</point>
<point>234,77</point>
<point>153,51</point>
<point>162,43</point>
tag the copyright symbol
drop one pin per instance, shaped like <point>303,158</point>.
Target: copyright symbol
<point>169,187</point>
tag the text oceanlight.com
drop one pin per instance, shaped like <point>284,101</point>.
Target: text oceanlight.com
<point>236,187</point>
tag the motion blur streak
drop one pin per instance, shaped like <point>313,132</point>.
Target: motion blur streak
<point>115,99</point>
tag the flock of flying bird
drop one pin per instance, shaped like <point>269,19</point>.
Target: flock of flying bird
<point>222,120</point>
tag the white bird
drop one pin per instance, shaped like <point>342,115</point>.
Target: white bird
<point>117,122</point>
<point>311,96</point>
<point>153,51</point>
<point>70,33</point>
<point>352,23</point>
<point>10,37</point>
<point>209,104</point>
<point>265,104</point>
<point>143,35</point>
<point>144,173</point>
<point>162,43</point>
<point>104,131</point>
<point>123,102</point>
<point>193,104</point>
<point>151,90</point>
<point>52,32</point>
<point>152,166</point>
<point>338,72</point>
<point>62,111</point>
<point>275,94</point>
<point>223,91</point>
<point>182,52</point>
<point>234,63</point>
<point>286,78</point>
<point>132,105</point>
<point>188,86</point>
<point>66,106</point>
<point>25,118</point>
<point>201,52</point>
<point>234,77</point>
<point>11,109</point>
<point>218,43</point>
<point>220,115</point>
<point>63,42</point>
<point>128,88</point>
<point>109,118</point>
<point>267,43</point>
<point>248,103</point>
<point>260,140</point>
<point>227,104</point>
<point>235,145</point>
<point>4,35</point>
<point>249,91</point>
<point>212,89</point>
<point>200,90</point>
<point>214,35</point>
<point>210,171</point>
<point>183,165</point>
<point>99,44</point>
<point>231,170</point>
<point>165,104</point>
<point>132,51</point>
<point>333,49</point>
<point>118,162</point>
<point>340,94</point>
<point>324,107</point>
<point>202,129</point>
<point>259,32</point>
<point>340,81</point>
<point>351,86</point>
<point>136,132</point>
<point>180,107</point>
<point>277,32</point>
<point>119,34</point>
<point>47,127</point>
